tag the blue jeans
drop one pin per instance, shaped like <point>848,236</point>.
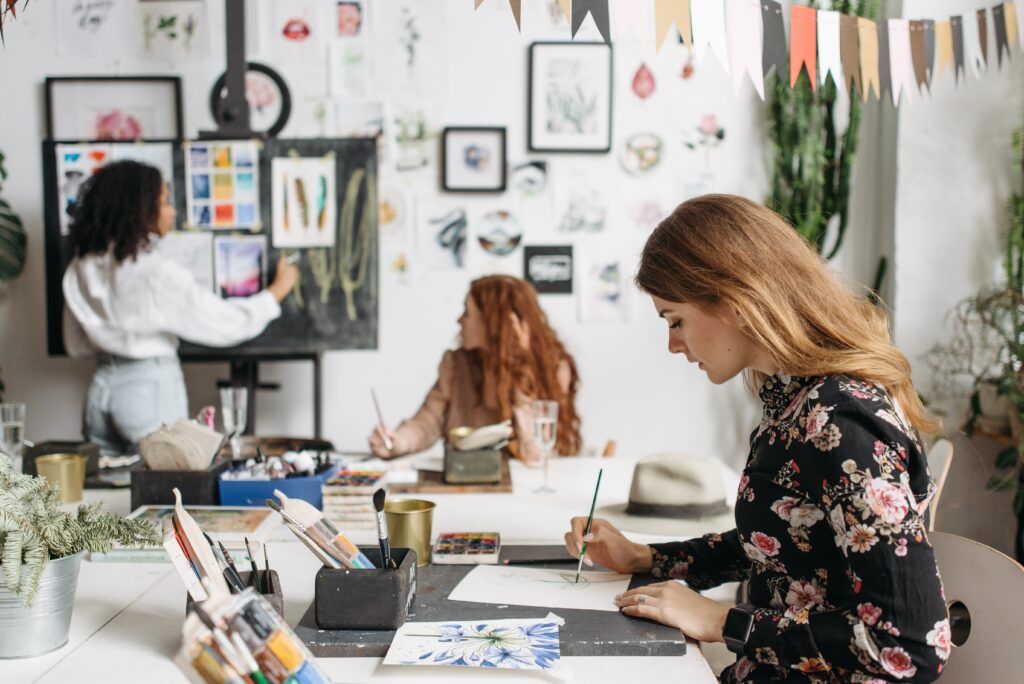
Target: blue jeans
<point>130,398</point>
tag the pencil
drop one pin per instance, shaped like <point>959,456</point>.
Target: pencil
<point>590,520</point>
<point>380,419</point>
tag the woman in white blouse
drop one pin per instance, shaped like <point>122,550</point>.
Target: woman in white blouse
<point>128,305</point>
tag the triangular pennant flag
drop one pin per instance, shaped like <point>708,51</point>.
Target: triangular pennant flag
<point>1010,12</point>
<point>957,28</point>
<point>929,48</point>
<point>630,15</point>
<point>743,21</point>
<point>667,12</point>
<point>915,29</point>
<point>829,58</point>
<point>943,46</point>
<point>517,12</point>
<point>708,20</point>
<point>477,3</point>
<point>999,21</point>
<point>983,33</point>
<point>867,40</point>
<point>598,9</point>
<point>884,68</point>
<point>566,9</point>
<point>774,40</point>
<point>849,53</point>
<point>803,44</point>
<point>900,62</point>
<point>1019,23</point>
<point>972,46</point>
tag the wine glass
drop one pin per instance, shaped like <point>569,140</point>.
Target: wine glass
<point>545,432</point>
<point>12,433</point>
<point>234,402</point>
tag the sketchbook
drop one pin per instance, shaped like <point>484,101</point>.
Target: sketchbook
<point>543,587</point>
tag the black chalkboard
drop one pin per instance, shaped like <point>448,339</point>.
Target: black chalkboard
<point>321,315</point>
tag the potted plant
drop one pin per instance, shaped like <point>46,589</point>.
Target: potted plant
<point>41,550</point>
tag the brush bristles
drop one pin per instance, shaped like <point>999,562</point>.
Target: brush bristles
<point>378,500</point>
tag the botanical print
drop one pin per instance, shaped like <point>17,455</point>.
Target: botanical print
<point>172,29</point>
<point>502,644</point>
<point>303,201</point>
<point>571,106</point>
<point>409,48</point>
<point>570,97</point>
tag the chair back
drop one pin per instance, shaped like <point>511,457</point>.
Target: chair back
<point>940,457</point>
<point>985,595</point>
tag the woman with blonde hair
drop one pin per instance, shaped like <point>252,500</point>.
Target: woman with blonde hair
<point>509,356</point>
<point>830,518</point>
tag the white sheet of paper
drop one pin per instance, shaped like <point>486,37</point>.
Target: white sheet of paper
<point>540,587</point>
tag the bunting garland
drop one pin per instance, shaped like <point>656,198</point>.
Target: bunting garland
<point>863,57</point>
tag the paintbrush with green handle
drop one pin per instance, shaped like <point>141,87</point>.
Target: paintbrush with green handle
<point>590,520</point>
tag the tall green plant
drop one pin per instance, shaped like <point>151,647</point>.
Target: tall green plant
<point>812,151</point>
<point>13,241</point>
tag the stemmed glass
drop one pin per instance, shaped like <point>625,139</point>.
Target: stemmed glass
<point>545,431</point>
<point>234,402</point>
<point>12,433</point>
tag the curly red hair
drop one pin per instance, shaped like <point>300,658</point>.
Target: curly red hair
<point>533,370</point>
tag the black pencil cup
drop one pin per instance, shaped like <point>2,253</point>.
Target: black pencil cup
<point>376,599</point>
<point>275,598</point>
<point>197,487</point>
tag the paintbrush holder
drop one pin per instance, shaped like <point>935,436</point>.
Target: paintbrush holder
<point>275,598</point>
<point>376,599</point>
<point>197,487</point>
<point>477,466</point>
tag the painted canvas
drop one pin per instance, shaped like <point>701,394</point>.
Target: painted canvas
<point>194,251</point>
<point>498,644</point>
<point>222,184</point>
<point>550,588</point>
<point>240,264</point>
<point>172,30</point>
<point>443,230</point>
<point>303,202</point>
<point>602,280</point>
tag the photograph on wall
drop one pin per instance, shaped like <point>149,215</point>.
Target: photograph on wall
<point>570,96</point>
<point>602,284</point>
<point>442,233</point>
<point>351,17</point>
<point>192,249</point>
<point>240,265</point>
<point>76,163</point>
<point>115,108</point>
<point>303,206</point>
<point>222,184</point>
<point>172,30</point>
<point>549,268</point>
<point>92,28</point>
<point>473,159</point>
<point>299,31</point>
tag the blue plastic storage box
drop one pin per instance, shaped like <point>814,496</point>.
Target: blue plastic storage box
<point>256,492</point>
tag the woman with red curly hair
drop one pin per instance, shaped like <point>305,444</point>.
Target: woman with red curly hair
<point>509,357</point>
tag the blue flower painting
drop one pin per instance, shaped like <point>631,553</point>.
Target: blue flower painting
<point>508,644</point>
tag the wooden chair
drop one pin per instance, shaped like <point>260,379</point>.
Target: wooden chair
<point>985,596</point>
<point>940,457</point>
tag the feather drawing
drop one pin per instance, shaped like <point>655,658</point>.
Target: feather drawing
<point>321,203</point>
<point>300,197</point>
<point>287,221</point>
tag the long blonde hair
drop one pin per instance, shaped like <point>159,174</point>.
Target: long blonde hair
<point>724,248</point>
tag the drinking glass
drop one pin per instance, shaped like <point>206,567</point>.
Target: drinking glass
<point>545,432</point>
<point>234,402</point>
<point>12,433</point>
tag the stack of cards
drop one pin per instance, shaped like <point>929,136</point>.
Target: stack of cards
<point>467,548</point>
<point>348,498</point>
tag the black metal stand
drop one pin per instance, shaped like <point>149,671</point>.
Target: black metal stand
<point>232,109</point>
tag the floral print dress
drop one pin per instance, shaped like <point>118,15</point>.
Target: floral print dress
<point>830,531</point>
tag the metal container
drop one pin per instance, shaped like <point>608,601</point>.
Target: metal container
<point>67,471</point>
<point>26,632</point>
<point>409,526</point>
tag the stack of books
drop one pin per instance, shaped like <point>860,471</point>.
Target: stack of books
<point>348,498</point>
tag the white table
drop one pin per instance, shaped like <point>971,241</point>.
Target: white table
<point>127,619</point>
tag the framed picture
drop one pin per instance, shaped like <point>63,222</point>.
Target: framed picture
<point>113,108</point>
<point>570,97</point>
<point>473,159</point>
<point>549,268</point>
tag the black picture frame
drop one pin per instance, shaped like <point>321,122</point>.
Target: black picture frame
<point>501,172</point>
<point>534,129</point>
<point>54,83</point>
<point>549,268</point>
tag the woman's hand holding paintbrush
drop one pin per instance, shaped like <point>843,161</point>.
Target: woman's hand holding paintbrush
<point>607,547</point>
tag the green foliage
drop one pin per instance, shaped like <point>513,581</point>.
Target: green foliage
<point>33,529</point>
<point>13,240</point>
<point>811,157</point>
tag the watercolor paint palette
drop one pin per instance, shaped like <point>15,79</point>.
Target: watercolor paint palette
<point>467,548</point>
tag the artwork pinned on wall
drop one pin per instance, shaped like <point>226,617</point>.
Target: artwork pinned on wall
<point>349,67</point>
<point>113,108</point>
<point>411,131</point>
<point>549,268</point>
<point>582,201</point>
<point>641,153</point>
<point>393,221</point>
<point>194,251</point>
<point>603,285</point>
<point>570,97</point>
<point>498,232</point>
<point>303,201</point>
<point>299,30</point>
<point>530,178</point>
<point>351,16</point>
<point>270,101</point>
<point>172,30</point>
<point>442,233</point>
<point>222,184</point>
<point>355,119</point>
<point>473,159</point>
<point>76,163</point>
<point>92,28</point>
<point>240,264</point>
<point>409,47</point>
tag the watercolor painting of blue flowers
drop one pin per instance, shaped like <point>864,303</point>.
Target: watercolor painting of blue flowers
<point>503,644</point>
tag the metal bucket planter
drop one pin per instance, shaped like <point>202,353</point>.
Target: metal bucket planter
<point>26,632</point>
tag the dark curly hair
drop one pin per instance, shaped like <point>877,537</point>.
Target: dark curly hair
<point>117,208</point>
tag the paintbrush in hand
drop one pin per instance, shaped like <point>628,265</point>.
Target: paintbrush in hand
<point>590,520</point>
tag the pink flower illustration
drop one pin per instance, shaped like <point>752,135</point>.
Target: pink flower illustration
<point>886,500</point>
<point>941,639</point>
<point>766,544</point>
<point>708,125</point>
<point>117,125</point>
<point>803,596</point>
<point>897,662</point>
